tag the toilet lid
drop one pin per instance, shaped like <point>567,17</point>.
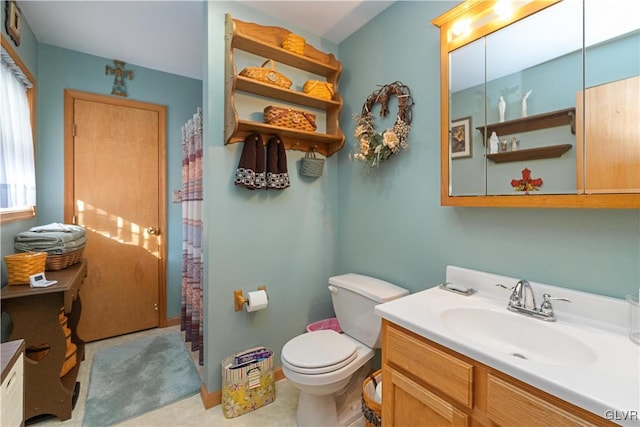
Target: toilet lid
<point>319,352</point>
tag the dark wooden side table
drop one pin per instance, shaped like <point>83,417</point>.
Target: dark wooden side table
<point>35,312</point>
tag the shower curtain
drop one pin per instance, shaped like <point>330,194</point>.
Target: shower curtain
<point>192,319</point>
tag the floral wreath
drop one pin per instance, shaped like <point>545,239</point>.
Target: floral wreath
<point>373,147</point>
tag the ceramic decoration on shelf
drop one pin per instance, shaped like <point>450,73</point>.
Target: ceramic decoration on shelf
<point>523,110</point>
<point>494,142</point>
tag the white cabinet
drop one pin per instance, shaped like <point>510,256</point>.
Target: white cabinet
<point>12,395</point>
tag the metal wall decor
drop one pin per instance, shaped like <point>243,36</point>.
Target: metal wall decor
<point>119,88</point>
<point>13,21</point>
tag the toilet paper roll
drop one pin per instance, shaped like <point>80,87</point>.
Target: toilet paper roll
<point>257,300</point>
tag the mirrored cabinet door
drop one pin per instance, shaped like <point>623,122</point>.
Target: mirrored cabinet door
<point>467,110</point>
<point>609,144</point>
<point>532,72</point>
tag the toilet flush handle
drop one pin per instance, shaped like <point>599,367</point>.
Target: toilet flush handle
<point>333,289</point>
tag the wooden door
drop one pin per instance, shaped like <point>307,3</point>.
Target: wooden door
<point>608,149</point>
<point>115,188</point>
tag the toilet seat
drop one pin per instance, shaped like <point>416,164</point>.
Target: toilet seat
<point>318,352</point>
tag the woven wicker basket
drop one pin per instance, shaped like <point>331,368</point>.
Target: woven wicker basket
<point>290,118</point>
<point>22,265</point>
<point>371,409</point>
<point>311,166</point>
<point>294,43</point>
<point>58,262</point>
<point>267,75</point>
<point>318,89</point>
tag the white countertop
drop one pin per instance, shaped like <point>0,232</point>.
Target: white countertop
<point>608,386</point>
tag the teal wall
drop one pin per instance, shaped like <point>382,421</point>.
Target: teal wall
<point>388,223</point>
<point>28,52</point>
<point>391,224</point>
<point>62,69</point>
<point>284,239</point>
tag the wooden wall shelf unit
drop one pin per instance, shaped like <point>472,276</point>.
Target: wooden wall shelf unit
<point>265,41</point>
<point>34,312</point>
<point>538,153</point>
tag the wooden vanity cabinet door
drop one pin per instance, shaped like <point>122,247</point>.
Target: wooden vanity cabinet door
<point>428,364</point>
<point>510,405</point>
<point>408,404</point>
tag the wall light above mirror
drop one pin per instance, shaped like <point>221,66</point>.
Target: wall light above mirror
<point>547,99</point>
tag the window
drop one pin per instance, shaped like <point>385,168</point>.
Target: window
<point>17,150</point>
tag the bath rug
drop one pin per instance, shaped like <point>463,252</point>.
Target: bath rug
<point>131,379</point>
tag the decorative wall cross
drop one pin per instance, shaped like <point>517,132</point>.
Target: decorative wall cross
<point>526,184</point>
<point>119,88</point>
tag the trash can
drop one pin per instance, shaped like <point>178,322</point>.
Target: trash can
<point>372,404</point>
<point>331,323</point>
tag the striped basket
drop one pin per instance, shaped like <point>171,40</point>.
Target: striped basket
<point>294,43</point>
<point>267,75</point>
<point>59,262</point>
<point>22,265</point>
<point>371,409</point>
<point>318,89</point>
<point>290,118</point>
<point>311,166</point>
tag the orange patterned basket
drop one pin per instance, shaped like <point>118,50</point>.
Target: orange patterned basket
<point>22,265</point>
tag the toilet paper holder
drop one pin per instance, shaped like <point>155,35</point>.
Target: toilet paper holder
<point>239,300</point>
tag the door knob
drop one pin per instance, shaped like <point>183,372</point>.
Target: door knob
<point>153,231</point>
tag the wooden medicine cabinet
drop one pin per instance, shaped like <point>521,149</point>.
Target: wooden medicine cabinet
<point>574,116</point>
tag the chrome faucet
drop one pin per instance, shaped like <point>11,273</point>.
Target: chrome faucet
<point>522,300</point>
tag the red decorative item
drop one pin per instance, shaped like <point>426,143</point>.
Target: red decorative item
<point>526,184</point>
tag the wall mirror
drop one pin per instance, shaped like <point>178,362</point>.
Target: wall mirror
<point>566,122</point>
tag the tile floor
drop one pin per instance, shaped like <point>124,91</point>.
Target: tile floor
<point>190,411</point>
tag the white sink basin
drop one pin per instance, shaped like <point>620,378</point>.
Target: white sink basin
<point>585,358</point>
<point>518,336</point>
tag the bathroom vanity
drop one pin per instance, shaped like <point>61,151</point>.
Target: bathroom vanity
<point>450,359</point>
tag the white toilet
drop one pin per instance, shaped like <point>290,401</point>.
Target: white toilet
<point>329,367</point>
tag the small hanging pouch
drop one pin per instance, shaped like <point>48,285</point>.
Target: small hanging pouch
<point>310,165</point>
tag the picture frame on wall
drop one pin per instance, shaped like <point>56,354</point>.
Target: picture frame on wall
<point>13,21</point>
<point>461,138</point>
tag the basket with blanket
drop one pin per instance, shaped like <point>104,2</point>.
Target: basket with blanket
<point>63,243</point>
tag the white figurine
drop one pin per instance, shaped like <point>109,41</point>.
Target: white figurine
<point>501,108</point>
<point>523,110</point>
<point>494,142</point>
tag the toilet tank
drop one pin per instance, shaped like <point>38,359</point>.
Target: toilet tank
<point>354,296</point>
